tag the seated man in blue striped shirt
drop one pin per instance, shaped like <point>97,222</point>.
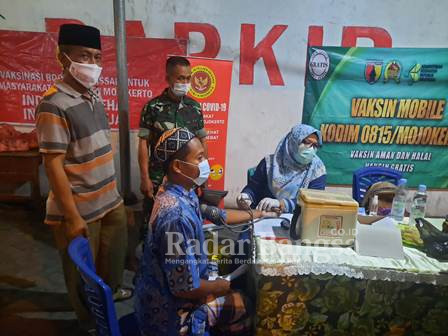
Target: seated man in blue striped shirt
<point>174,295</point>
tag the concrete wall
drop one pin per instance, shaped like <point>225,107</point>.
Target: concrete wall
<point>260,113</point>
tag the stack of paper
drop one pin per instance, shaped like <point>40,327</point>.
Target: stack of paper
<point>380,239</point>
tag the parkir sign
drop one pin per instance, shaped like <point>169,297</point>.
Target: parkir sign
<point>250,50</point>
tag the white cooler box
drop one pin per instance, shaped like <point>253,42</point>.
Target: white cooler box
<point>324,218</point>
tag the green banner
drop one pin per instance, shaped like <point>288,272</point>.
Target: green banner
<point>380,107</point>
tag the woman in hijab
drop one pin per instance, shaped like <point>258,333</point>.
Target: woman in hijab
<point>278,177</point>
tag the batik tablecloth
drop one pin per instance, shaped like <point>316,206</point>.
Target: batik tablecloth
<point>304,290</point>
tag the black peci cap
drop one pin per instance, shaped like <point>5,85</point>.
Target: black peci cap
<point>170,142</point>
<point>80,35</point>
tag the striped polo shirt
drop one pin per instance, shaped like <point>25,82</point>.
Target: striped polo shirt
<point>70,123</point>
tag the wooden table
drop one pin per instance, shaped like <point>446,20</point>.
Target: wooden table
<point>17,168</point>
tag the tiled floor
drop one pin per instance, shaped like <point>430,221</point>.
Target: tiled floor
<point>32,289</point>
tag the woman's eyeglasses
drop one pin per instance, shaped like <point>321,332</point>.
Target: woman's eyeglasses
<point>310,143</point>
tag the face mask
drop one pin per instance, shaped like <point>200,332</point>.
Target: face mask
<point>305,154</point>
<point>86,74</point>
<point>180,89</point>
<point>204,172</point>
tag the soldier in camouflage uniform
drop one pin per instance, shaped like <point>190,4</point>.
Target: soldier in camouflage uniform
<point>171,109</point>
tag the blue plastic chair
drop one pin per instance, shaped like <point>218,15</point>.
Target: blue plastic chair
<point>99,295</point>
<point>363,178</point>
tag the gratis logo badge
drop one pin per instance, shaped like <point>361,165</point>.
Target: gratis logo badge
<point>203,82</point>
<point>319,64</point>
<point>372,71</point>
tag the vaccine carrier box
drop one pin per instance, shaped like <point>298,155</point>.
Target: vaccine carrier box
<point>325,218</point>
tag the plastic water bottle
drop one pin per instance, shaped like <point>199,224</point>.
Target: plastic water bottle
<point>374,206</point>
<point>445,225</point>
<point>418,207</point>
<point>399,203</point>
<point>213,269</point>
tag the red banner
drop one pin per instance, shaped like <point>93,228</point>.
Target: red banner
<point>210,85</point>
<point>28,67</point>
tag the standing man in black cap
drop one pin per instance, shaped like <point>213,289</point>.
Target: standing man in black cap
<point>74,139</point>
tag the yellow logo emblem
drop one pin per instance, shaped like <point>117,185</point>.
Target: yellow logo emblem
<point>203,82</point>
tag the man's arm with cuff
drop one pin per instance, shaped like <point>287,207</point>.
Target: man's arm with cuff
<point>60,186</point>
<point>146,122</point>
<point>146,186</point>
<point>53,134</point>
